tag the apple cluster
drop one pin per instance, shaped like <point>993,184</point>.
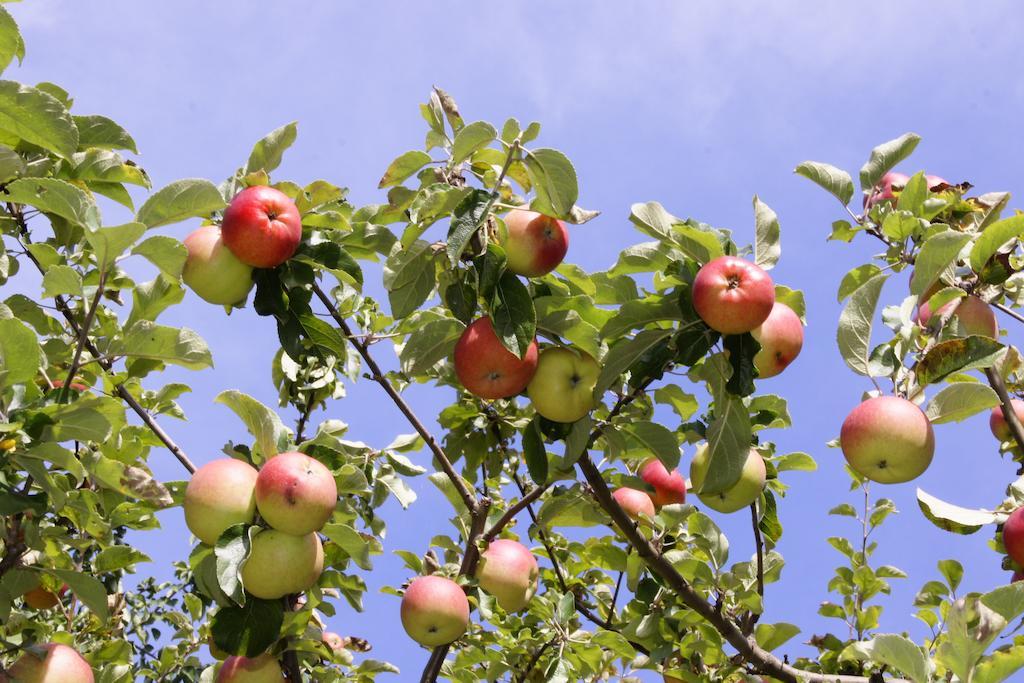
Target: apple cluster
<point>294,496</point>
<point>261,228</point>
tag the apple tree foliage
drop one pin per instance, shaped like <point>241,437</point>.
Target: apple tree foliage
<point>83,409</point>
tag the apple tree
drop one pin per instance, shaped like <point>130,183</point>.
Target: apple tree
<point>575,396</point>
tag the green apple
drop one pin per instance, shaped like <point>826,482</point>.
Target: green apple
<point>434,611</point>
<point>280,564</point>
<point>562,389</point>
<point>220,494</point>
<point>738,496</point>
<point>508,571</point>
<point>887,439</point>
<point>212,271</point>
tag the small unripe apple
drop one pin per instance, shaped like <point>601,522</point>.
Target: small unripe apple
<point>40,598</point>
<point>262,227</point>
<point>562,389</point>
<point>280,564</point>
<point>742,494</point>
<point>262,669</point>
<point>886,189</point>
<point>669,487</point>
<point>1013,535</point>
<point>508,571</point>
<point>295,493</point>
<point>51,663</point>
<point>998,424</point>
<point>220,494</point>
<point>212,271</point>
<point>534,244</point>
<point>486,368</point>
<point>732,295</point>
<point>781,337</point>
<point>974,315</point>
<point>634,502</point>
<point>434,611</point>
<point>888,439</point>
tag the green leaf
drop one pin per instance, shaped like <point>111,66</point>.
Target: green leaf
<point>471,138</point>
<point>60,457</point>
<point>635,314</point>
<point>105,166</point>
<point>554,180</point>
<point>970,627</point>
<point>766,230</point>
<point>741,349</point>
<point>994,236</point>
<point>178,346</point>
<point>959,401</point>
<point>60,280</point>
<point>621,356</point>
<point>1007,601</point>
<point>409,277</point>
<point>403,167</point>
<point>333,258</point>
<point>656,439</point>
<point>57,197</point>
<point>855,323</point>
<point>884,157</point>
<point>913,194</point>
<point>152,298</point>
<point>773,636</point>
<point>267,153</point>
<point>534,452</point>
<point>728,443</point>
<point>182,199</point>
<point>110,243</point>
<point>513,315</point>
<point>37,118</point>
<point>843,510</point>
<point>937,253</point>
<point>899,225</point>
<point>86,588</point>
<point>11,43</point>
<point>263,423</point>
<point>953,517</point>
<point>466,219</point>
<point>118,558</point>
<point>835,180</point>
<point>899,653</point>
<point>249,630</point>
<point>429,344</point>
<point>1000,665</point>
<point>324,336</point>
<point>20,354</point>
<point>102,133</point>
<point>852,281</point>
<point>166,253</point>
<point>356,545</point>
<point>683,403</point>
<point>795,462</point>
<point>11,164</point>
<point>956,355</point>
<point>953,572</point>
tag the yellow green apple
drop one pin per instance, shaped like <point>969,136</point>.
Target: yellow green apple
<point>280,564</point>
<point>742,494</point>
<point>508,571</point>
<point>434,611</point>
<point>562,389</point>
<point>212,271</point>
<point>220,494</point>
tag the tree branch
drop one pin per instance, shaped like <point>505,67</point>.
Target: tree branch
<point>996,382</point>
<point>83,336</point>
<point>510,514</point>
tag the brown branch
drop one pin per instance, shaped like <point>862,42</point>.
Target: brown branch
<point>996,382</point>
<point>290,658</point>
<point>378,376</point>
<point>525,675</point>
<point>753,617</point>
<point>1009,311</point>
<point>514,510</point>
<point>83,336</point>
<point>765,662</point>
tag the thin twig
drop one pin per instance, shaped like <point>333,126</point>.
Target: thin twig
<point>510,514</point>
<point>83,336</point>
<point>1009,311</point>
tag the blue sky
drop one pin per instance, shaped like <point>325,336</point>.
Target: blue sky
<point>696,105</point>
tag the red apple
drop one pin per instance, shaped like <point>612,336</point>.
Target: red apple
<point>262,669</point>
<point>974,315</point>
<point>76,386</point>
<point>262,227</point>
<point>634,502</point>
<point>669,487</point>
<point>281,564</point>
<point>434,611</point>
<point>295,493</point>
<point>486,368</point>
<point>212,271</point>
<point>886,189</point>
<point>998,424</point>
<point>41,598</point>
<point>732,295</point>
<point>781,337</point>
<point>534,244</point>
<point>888,439</point>
<point>333,641</point>
<point>1018,575</point>
<point>51,663</point>
<point>1013,535</point>
<point>220,494</point>
<point>508,571</point>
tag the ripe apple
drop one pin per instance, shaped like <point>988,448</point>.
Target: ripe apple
<point>295,493</point>
<point>76,386</point>
<point>41,598</point>
<point>742,494</point>
<point>220,494</point>
<point>434,611</point>
<point>974,315</point>
<point>998,424</point>
<point>333,641</point>
<point>280,564</point>
<point>534,243</point>
<point>1018,575</point>
<point>486,368</point>
<point>669,487</point>
<point>732,295</point>
<point>886,189</point>
<point>635,502</point>
<point>1013,535</point>
<point>262,669</point>
<point>781,337</point>
<point>562,389</point>
<point>887,439</point>
<point>508,571</point>
<point>262,227</point>
<point>212,271</point>
<point>51,663</point>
